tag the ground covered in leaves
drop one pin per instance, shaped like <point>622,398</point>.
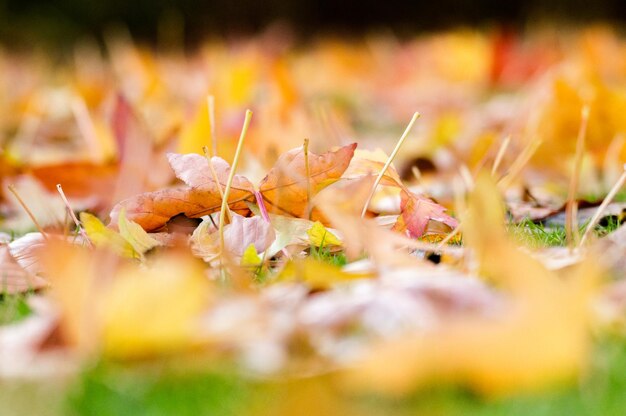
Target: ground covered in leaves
<point>376,226</point>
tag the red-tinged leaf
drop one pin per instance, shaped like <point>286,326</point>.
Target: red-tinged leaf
<point>417,211</point>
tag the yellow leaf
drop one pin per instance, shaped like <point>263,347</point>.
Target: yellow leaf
<point>135,235</point>
<point>317,274</point>
<point>250,257</point>
<point>154,311</point>
<point>104,237</point>
<point>197,133</point>
<point>319,236</point>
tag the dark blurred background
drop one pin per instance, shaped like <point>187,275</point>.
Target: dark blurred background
<point>25,23</point>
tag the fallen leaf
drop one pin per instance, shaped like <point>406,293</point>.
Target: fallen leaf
<point>153,210</point>
<point>317,274</point>
<point>14,278</point>
<point>136,236</point>
<point>319,236</point>
<point>238,235</point>
<point>250,257</point>
<point>155,310</point>
<point>243,232</point>
<point>104,237</point>
<point>417,211</point>
<point>284,189</point>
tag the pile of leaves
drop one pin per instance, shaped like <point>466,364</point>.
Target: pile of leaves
<point>166,251</point>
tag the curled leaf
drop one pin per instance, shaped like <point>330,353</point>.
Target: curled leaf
<point>416,213</point>
<point>104,237</point>
<point>132,232</point>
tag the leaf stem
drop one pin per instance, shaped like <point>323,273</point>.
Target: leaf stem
<point>389,161</point>
<point>231,175</point>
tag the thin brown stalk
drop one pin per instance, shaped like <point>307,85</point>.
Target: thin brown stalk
<point>389,161</point>
<point>79,226</point>
<point>28,211</point>
<point>605,203</point>
<point>519,163</point>
<point>501,151</point>
<point>307,173</point>
<point>571,211</point>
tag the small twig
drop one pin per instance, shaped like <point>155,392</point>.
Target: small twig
<point>519,163</point>
<point>450,236</point>
<point>501,151</point>
<point>388,163</point>
<point>28,211</point>
<point>307,173</point>
<point>607,200</point>
<point>231,175</point>
<point>81,230</point>
<point>571,211</point>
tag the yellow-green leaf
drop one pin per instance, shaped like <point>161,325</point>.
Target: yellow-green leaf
<point>319,236</point>
<point>135,235</point>
<point>250,257</point>
<point>317,274</point>
<point>104,237</point>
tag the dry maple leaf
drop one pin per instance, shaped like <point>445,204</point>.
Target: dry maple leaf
<point>202,195</point>
<point>417,211</point>
<point>284,189</point>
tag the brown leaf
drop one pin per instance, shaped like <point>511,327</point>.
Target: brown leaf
<point>202,196</point>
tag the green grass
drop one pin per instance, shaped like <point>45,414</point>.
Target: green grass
<point>324,254</point>
<point>534,235</point>
<point>13,308</point>
<point>155,390</point>
<point>113,389</point>
<point>619,197</point>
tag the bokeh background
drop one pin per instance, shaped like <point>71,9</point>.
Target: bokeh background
<point>28,23</point>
